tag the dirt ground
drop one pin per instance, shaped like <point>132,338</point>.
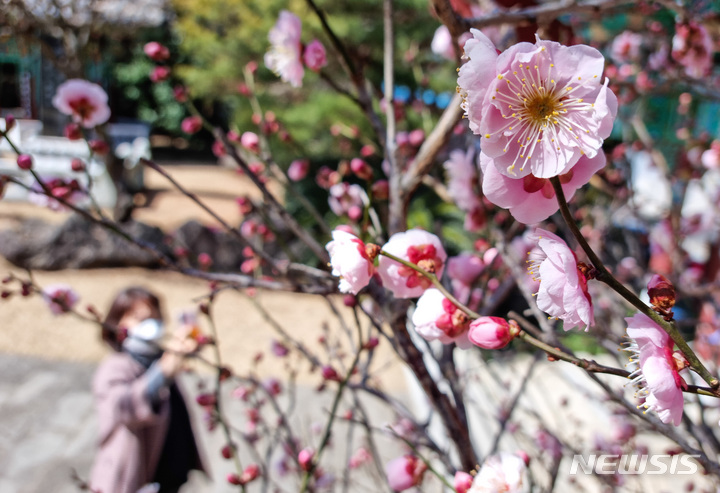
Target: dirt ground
<point>27,327</point>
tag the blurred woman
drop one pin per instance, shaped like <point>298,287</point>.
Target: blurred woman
<point>146,438</point>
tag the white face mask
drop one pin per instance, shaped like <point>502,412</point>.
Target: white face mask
<point>150,330</point>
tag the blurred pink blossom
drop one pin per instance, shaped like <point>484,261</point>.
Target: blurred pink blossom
<point>298,169</point>
<point>250,141</point>
<point>60,298</point>
<point>405,472</point>
<point>462,482</point>
<point>501,472</point>
<point>156,51</point>
<point>563,289</point>
<point>84,101</point>
<point>347,199</point>
<point>285,55</point>
<point>626,47</point>
<point>191,124</point>
<point>657,373</point>
<point>461,179</point>
<point>692,47</point>
<point>418,247</point>
<point>160,74</point>
<point>314,55</point>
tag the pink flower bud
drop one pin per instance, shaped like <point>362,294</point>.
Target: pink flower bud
<point>72,131</point>
<point>298,169</point>
<point>367,150</point>
<point>180,94</point>
<point>77,165</point>
<point>405,472</point>
<point>191,124</point>
<point>228,451</point>
<point>305,458</point>
<point>250,141</point>
<point>160,74</point>
<point>661,292</point>
<point>463,482</point>
<point>361,169</point>
<point>416,137</point>
<point>314,56</point>
<point>99,147</point>
<point>250,473</point>
<point>157,52</point>
<point>218,149</point>
<point>251,66</point>
<point>9,122</point>
<point>24,161</point>
<point>204,260</point>
<point>329,373</point>
<point>279,349</point>
<point>233,478</point>
<point>492,332</point>
<point>371,343</point>
<point>206,400</point>
<point>380,190</point>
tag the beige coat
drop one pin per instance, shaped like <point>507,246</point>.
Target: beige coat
<point>131,434</point>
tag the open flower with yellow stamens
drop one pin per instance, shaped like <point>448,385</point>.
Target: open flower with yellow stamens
<point>539,107</point>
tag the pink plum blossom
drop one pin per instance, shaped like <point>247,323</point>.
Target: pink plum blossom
<point>463,270</point>
<point>539,107</point>
<point>626,47</point>
<point>191,124</point>
<point>351,260</point>
<point>657,373</point>
<point>60,298</point>
<point>711,158</point>
<point>442,43</point>
<point>360,457</point>
<point>492,332</point>
<point>462,184</point>
<point>85,102</point>
<point>418,247</point>
<point>501,472</point>
<point>160,74</point>
<point>404,472</point>
<point>285,55</point>
<point>437,318</point>
<point>314,56</point>
<point>563,291</point>
<point>531,199</point>
<point>250,141</point>
<point>462,482</point>
<point>461,177</point>
<point>298,169</point>
<point>347,199</point>
<point>692,47</point>
<point>156,51</point>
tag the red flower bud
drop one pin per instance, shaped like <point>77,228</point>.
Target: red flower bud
<point>24,161</point>
<point>99,147</point>
<point>77,165</point>
<point>9,122</point>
